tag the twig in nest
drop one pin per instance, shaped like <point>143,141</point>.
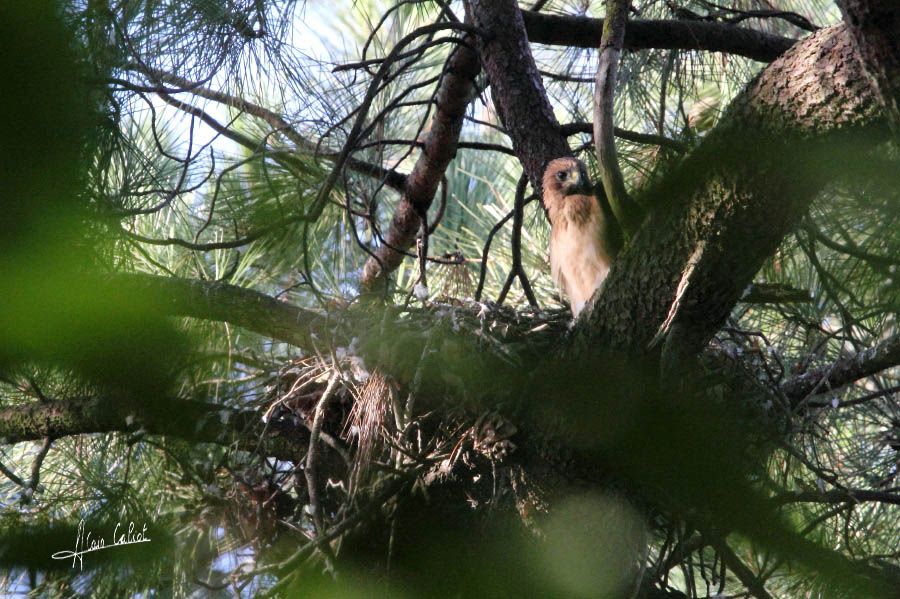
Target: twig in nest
<point>311,466</point>
<point>366,420</point>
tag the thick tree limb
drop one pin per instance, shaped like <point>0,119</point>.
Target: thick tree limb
<point>214,300</point>
<point>845,371</point>
<point>195,421</point>
<point>452,98</point>
<point>387,337</point>
<point>875,27</point>
<point>583,32</point>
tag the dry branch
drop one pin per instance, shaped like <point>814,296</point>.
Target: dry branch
<point>453,96</point>
<point>845,371</point>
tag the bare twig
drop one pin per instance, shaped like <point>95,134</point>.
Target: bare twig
<point>486,252</point>
<point>311,470</point>
<point>633,136</point>
<point>363,109</point>
<point>35,479</point>
<point>742,571</point>
<point>273,119</point>
<point>517,271</point>
<point>11,475</point>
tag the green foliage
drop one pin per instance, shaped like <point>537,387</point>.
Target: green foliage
<point>125,150</point>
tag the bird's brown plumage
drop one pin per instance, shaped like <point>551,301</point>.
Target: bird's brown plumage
<point>580,256</point>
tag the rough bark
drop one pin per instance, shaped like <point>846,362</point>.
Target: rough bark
<point>516,87</point>
<point>583,32</point>
<point>723,211</point>
<point>452,98</point>
<point>875,27</point>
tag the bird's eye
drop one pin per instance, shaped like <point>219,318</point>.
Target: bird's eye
<point>561,175</point>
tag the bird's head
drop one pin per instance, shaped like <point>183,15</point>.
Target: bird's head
<point>565,177</point>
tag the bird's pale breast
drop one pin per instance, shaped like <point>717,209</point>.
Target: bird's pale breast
<point>579,263</point>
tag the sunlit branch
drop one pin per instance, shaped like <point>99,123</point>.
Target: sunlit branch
<point>455,91</point>
<point>875,28</point>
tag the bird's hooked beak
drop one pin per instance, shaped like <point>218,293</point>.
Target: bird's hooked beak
<point>579,184</point>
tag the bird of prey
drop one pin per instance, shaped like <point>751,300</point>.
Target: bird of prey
<point>582,239</point>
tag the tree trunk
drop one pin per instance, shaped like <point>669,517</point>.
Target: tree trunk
<point>516,87</point>
<point>875,27</point>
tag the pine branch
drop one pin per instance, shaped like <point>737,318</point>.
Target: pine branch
<point>584,32</point>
